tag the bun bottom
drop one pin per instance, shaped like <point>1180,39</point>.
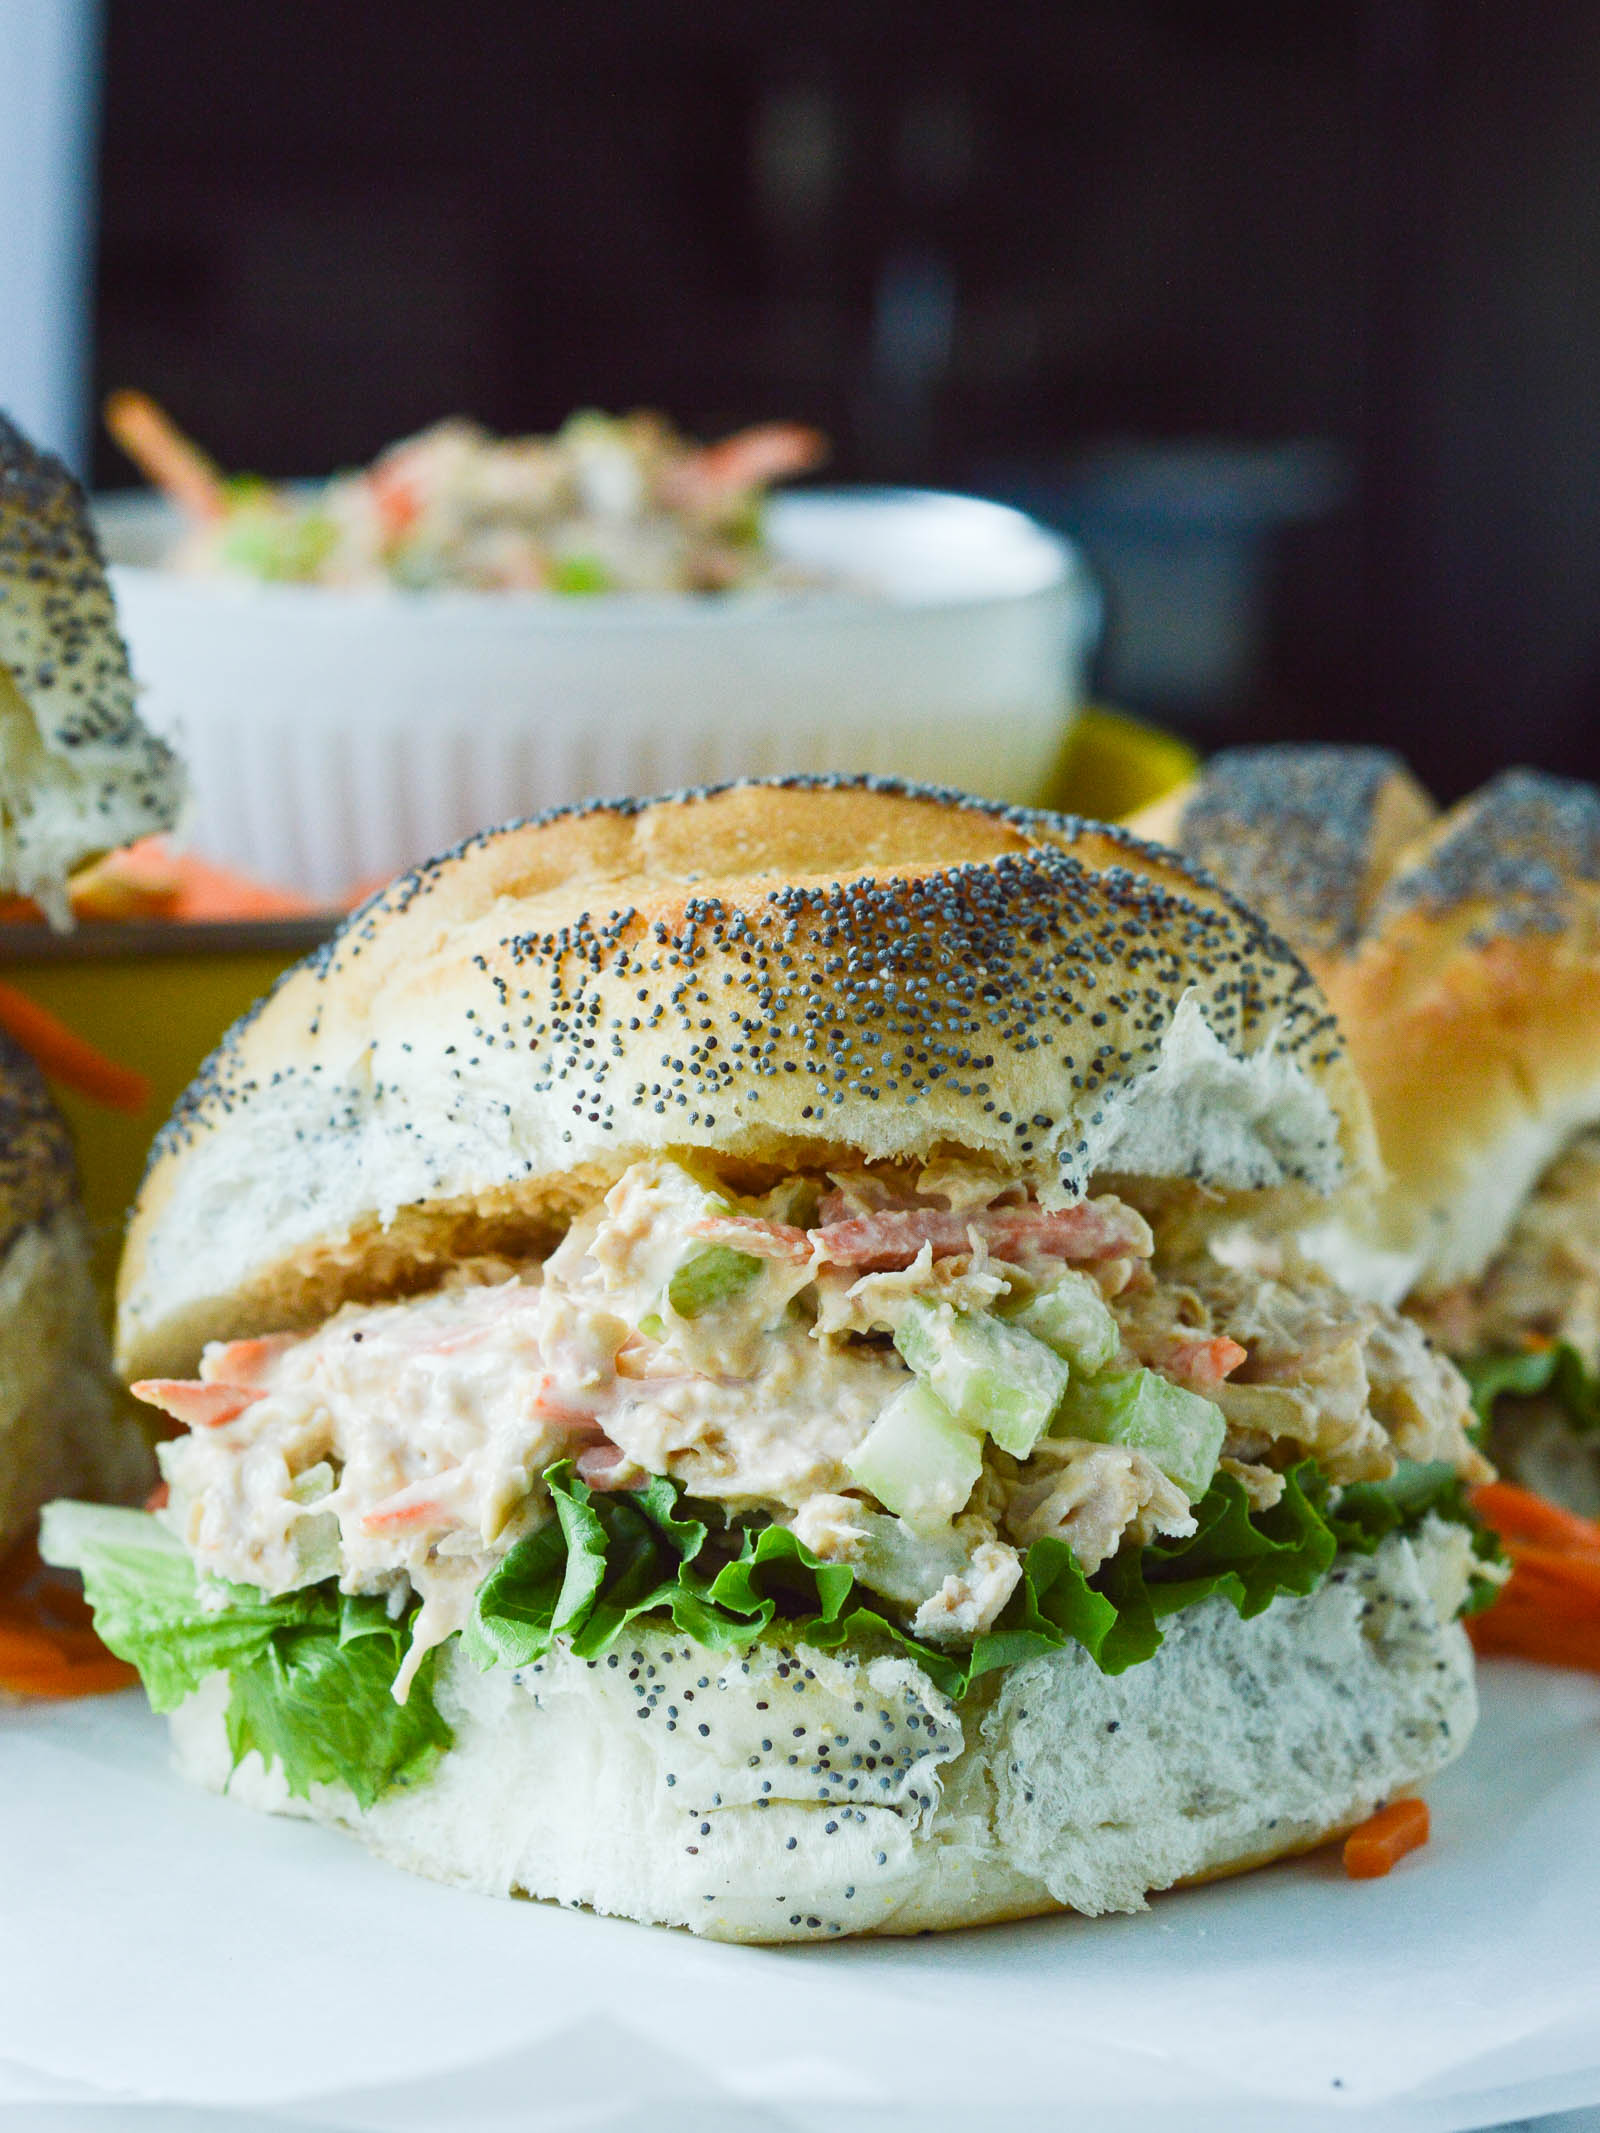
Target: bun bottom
<point>60,1431</point>
<point>790,1795</point>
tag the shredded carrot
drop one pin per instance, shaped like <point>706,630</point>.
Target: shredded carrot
<point>1381,1843</point>
<point>1562,1584</point>
<point>1518,1629</point>
<point>1518,1515</point>
<point>47,1646</point>
<point>1549,1608</point>
<point>196,1405</point>
<point>19,1568</point>
<point>110,889</point>
<point>162,453</point>
<point>88,1677</point>
<point>771,451</point>
<point>69,1058</point>
<point>149,880</point>
<point>206,891</point>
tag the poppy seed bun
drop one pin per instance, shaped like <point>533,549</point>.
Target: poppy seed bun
<point>79,772</point>
<point>1464,968</point>
<point>1051,1786</point>
<point>38,1177</point>
<point>777,973</point>
<point>59,1432</point>
<point>1307,836</point>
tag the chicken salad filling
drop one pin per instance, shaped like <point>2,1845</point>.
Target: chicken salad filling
<point>607,504</point>
<point>1543,1285</point>
<point>1527,1333</point>
<point>910,1379</point>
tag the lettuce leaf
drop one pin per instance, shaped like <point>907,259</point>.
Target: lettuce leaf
<point>311,1671</point>
<point>319,1699</point>
<point>1367,1512</point>
<point>1558,1370</point>
<point>608,1559</point>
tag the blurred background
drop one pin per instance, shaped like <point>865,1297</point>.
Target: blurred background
<point>1290,313</point>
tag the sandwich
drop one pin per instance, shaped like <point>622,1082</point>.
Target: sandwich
<point>709,1395</point>
<point>1461,953</point>
<point>61,1428</point>
<point>78,775</point>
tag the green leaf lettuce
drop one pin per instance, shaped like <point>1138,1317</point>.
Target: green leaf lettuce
<point>1558,1371</point>
<point>310,1672</point>
<point>610,1558</point>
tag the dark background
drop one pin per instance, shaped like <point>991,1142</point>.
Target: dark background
<point>960,238</point>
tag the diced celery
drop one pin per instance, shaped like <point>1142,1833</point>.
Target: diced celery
<point>315,1540</point>
<point>580,574</point>
<point>918,1460</point>
<point>710,1276</point>
<point>991,1376</point>
<point>904,1562</point>
<point>1181,1432</point>
<point>1074,1319</point>
<point>315,1483</point>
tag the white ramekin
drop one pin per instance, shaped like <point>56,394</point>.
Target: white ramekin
<point>335,737</point>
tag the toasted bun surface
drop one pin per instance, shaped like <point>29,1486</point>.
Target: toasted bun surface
<point>79,772</point>
<point>775,973</point>
<point>1463,963</point>
<point>59,1431</point>
<point>1052,1786</point>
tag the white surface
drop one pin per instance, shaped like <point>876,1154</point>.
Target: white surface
<point>335,737</point>
<point>48,55</point>
<point>166,1948</point>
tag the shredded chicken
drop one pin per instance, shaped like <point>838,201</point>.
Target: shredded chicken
<point>967,1605</point>
<point>1262,1484</point>
<point>1095,1497</point>
<point>1343,1382</point>
<point>876,1303</point>
<point>830,1526</point>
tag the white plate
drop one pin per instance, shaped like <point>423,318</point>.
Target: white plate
<point>335,737</point>
<point>163,1946</point>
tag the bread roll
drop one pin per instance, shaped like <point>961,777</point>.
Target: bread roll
<point>79,772</point>
<point>61,1430</point>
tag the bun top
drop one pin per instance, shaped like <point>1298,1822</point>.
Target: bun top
<point>776,974</point>
<point>79,772</point>
<point>37,1174</point>
<point>1307,836</point>
<point>1462,958</point>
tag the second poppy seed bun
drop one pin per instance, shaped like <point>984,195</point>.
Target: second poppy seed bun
<point>774,974</point>
<point>80,774</point>
<point>1461,954</point>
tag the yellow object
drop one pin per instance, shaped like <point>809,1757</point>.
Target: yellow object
<point>157,997</point>
<point>1111,766</point>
